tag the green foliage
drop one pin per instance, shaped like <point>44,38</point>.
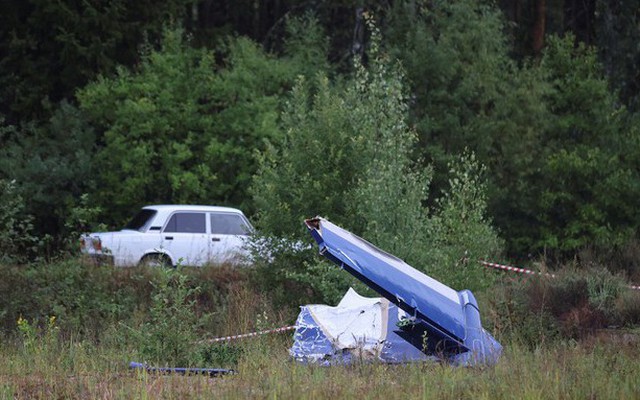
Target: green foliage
<point>51,48</point>
<point>164,121</point>
<point>461,233</point>
<point>85,298</point>
<point>306,45</point>
<point>567,185</point>
<point>340,145</point>
<point>514,319</point>
<point>88,298</point>
<point>169,336</point>
<point>292,276</point>
<point>577,207</point>
<point>468,94</point>
<point>385,204</point>
<point>183,129</point>
<point>18,242</point>
<point>588,156</point>
<point>584,108</point>
<point>52,166</point>
<point>222,355</point>
<point>603,289</point>
<point>154,136</point>
<point>82,297</point>
<point>623,260</point>
<point>627,306</point>
<point>616,37</point>
<point>516,130</point>
<point>38,339</point>
<point>573,304</point>
<point>80,220</point>
<point>347,155</point>
<point>550,133</point>
<point>456,59</point>
<point>292,174</point>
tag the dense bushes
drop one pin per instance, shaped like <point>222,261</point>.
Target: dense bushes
<point>189,124</point>
<point>87,298</point>
<point>185,125</point>
<point>549,131</point>
<point>162,316</point>
<point>575,303</point>
<point>51,165</point>
<point>18,242</point>
<point>347,156</point>
<point>158,315</point>
<point>392,151</point>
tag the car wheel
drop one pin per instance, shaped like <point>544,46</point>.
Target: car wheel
<point>155,261</point>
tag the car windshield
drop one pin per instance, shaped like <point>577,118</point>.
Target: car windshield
<point>141,220</point>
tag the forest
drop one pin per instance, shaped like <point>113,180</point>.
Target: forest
<point>106,107</point>
<point>448,133</point>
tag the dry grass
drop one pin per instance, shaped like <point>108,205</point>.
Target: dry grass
<point>597,369</point>
<point>52,364</point>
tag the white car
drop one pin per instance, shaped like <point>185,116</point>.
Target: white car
<point>174,234</point>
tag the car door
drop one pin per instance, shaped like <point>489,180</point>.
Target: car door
<point>185,237</point>
<point>228,234</point>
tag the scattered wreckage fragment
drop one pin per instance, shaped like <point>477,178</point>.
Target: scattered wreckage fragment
<point>439,321</point>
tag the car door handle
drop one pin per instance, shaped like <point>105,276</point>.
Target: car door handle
<point>215,239</point>
<point>169,237</point>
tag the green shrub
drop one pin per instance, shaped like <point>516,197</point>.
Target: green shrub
<point>221,355</point>
<point>514,319</point>
<point>52,164</point>
<point>184,125</point>
<point>82,296</point>
<point>460,232</point>
<point>627,306</point>
<point>292,277</point>
<point>575,303</point>
<point>348,155</point>
<point>169,336</point>
<point>18,242</point>
<point>622,259</point>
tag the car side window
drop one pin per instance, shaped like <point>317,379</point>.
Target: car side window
<point>186,222</point>
<point>228,224</point>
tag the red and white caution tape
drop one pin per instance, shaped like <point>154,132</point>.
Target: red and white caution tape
<point>515,269</point>
<point>248,335</point>
<point>528,271</point>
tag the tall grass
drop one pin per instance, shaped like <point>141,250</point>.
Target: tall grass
<point>47,352</point>
<point>562,371</point>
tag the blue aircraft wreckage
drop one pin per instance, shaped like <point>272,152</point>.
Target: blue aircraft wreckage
<point>417,318</point>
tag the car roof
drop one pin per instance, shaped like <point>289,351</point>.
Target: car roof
<point>191,207</point>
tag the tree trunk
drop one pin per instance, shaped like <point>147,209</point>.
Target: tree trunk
<point>539,26</point>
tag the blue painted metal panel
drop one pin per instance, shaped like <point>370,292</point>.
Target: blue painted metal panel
<point>445,321</point>
<point>312,346</point>
<point>181,371</point>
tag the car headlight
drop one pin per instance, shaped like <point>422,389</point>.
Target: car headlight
<point>97,244</point>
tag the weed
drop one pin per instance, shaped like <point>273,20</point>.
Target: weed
<point>169,335</point>
<point>575,303</point>
<point>18,243</point>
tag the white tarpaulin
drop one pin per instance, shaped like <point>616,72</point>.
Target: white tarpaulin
<point>356,322</point>
<point>357,328</point>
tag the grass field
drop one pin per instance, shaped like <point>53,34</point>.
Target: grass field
<point>70,332</point>
<point>594,369</point>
